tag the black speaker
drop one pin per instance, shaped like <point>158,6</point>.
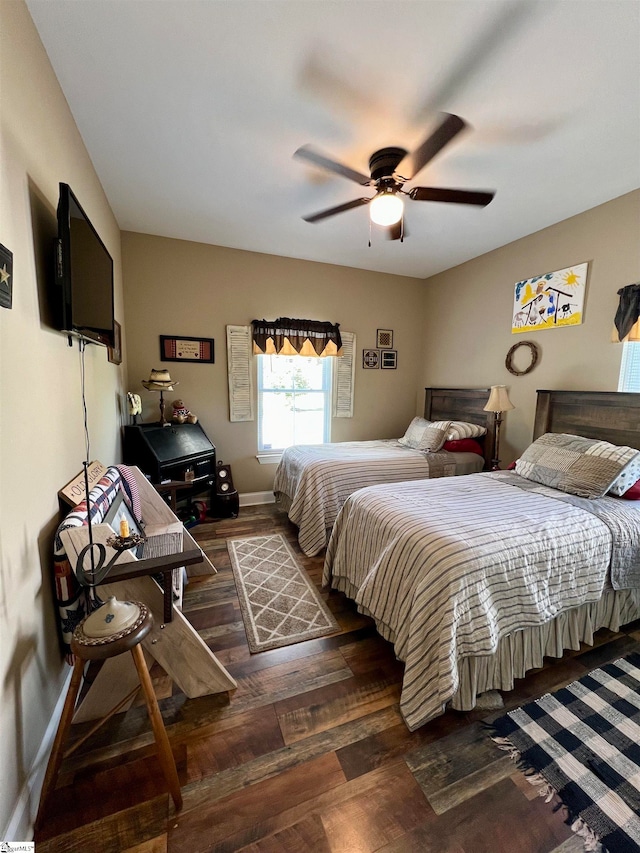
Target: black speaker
<point>224,480</point>
<point>225,501</point>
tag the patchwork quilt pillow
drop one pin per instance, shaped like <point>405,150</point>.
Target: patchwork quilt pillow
<point>425,435</point>
<point>571,463</point>
<point>462,429</point>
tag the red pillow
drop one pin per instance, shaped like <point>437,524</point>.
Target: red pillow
<point>463,445</point>
<point>512,466</point>
<point>632,493</point>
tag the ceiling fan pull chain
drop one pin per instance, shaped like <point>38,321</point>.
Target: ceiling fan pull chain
<point>369,233</point>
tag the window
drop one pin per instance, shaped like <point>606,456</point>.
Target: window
<point>630,367</point>
<point>294,401</point>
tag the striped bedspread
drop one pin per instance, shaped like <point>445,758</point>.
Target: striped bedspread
<point>314,480</point>
<point>446,568</point>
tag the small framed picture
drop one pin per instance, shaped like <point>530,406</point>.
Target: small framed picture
<point>384,339</point>
<point>389,359</point>
<point>370,359</point>
<point>6,277</point>
<point>114,353</point>
<point>181,348</point>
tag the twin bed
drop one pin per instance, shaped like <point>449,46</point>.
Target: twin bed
<point>475,579</point>
<point>312,482</point>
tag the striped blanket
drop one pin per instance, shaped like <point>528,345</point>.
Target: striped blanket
<point>313,481</point>
<point>447,568</point>
<point>581,744</point>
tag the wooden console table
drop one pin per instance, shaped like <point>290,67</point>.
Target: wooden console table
<point>173,641</point>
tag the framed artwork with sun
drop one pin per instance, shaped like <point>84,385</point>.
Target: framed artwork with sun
<point>550,301</point>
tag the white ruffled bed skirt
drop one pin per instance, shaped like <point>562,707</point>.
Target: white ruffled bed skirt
<point>524,650</point>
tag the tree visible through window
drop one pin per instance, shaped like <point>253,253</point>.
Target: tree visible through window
<point>630,367</point>
<point>294,401</point>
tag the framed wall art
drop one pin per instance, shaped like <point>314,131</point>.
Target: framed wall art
<point>550,301</point>
<point>114,353</point>
<point>370,359</point>
<point>389,359</point>
<point>384,338</point>
<point>6,277</point>
<point>181,348</point>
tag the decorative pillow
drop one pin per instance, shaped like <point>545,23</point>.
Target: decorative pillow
<point>462,429</point>
<point>632,493</point>
<point>581,466</point>
<point>464,445</point>
<point>626,478</point>
<point>425,435</point>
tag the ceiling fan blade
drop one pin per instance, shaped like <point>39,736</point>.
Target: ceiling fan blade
<point>397,231</point>
<point>331,211</point>
<point>478,197</point>
<point>416,160</point>
<point>317,158</point>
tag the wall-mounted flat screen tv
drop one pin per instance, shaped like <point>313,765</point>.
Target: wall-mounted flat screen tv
<point>84,274</point>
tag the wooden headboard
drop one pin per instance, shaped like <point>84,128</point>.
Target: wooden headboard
<point>462,404</point>
<point>608,415</point>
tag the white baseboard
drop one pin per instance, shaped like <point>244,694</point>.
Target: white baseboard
<point>255,498</point>
<point>21,822</point>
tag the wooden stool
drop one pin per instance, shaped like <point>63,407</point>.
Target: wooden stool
<point>91,648</point>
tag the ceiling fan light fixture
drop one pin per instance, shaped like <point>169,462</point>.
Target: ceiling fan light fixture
<point>386,208</point>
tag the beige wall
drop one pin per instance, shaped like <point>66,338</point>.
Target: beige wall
<point>41,427</point>
<point>468,314</point>
<point>451,330</point>
<point>174,287</point>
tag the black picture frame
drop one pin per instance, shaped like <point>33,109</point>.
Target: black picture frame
<point>388,359</point>
<point>384,338</point>
<point>6,277</point>
<point>114,353</point>
<point>370,359</point>
<point>185,348</point>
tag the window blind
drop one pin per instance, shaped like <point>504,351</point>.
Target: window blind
<point>240,373</point>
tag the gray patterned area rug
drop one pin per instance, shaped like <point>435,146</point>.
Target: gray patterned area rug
<point>279,604</point>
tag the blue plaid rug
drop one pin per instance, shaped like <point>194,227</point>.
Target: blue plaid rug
<point>582,744</point>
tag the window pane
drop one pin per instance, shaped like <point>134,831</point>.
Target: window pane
<point>281,371</point>
<point>294,398</point>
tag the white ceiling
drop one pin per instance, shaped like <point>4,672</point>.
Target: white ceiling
<point>191,111</point>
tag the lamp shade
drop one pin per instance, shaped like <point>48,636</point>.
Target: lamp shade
<point>498,400</point>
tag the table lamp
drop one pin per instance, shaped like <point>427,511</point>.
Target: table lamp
<point>159,380</point>
<point>497,403</point>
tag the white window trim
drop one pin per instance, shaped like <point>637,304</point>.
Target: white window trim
<point>630,367</point>
<point>265,458</point>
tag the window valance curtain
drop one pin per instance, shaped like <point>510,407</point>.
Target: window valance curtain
<point>627,319</point>
<point>296,337</point>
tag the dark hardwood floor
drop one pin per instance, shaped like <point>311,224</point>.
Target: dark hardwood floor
<point>310,752</point>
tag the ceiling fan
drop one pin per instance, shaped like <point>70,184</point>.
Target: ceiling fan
<point>390,169</point>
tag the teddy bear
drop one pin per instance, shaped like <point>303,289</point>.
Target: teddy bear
<point>181,414</point>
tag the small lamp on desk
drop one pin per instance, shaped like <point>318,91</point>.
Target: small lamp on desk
<point>160,380</point>
<point>497,403</point>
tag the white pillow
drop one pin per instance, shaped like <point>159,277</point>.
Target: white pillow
<point>425,435</point>
<point>462,429</point>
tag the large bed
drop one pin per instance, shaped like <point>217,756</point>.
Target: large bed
<point>312,482</point>
<point>475,579</point>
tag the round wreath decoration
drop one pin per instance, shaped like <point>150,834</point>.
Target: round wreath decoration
<point>509,359</point>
